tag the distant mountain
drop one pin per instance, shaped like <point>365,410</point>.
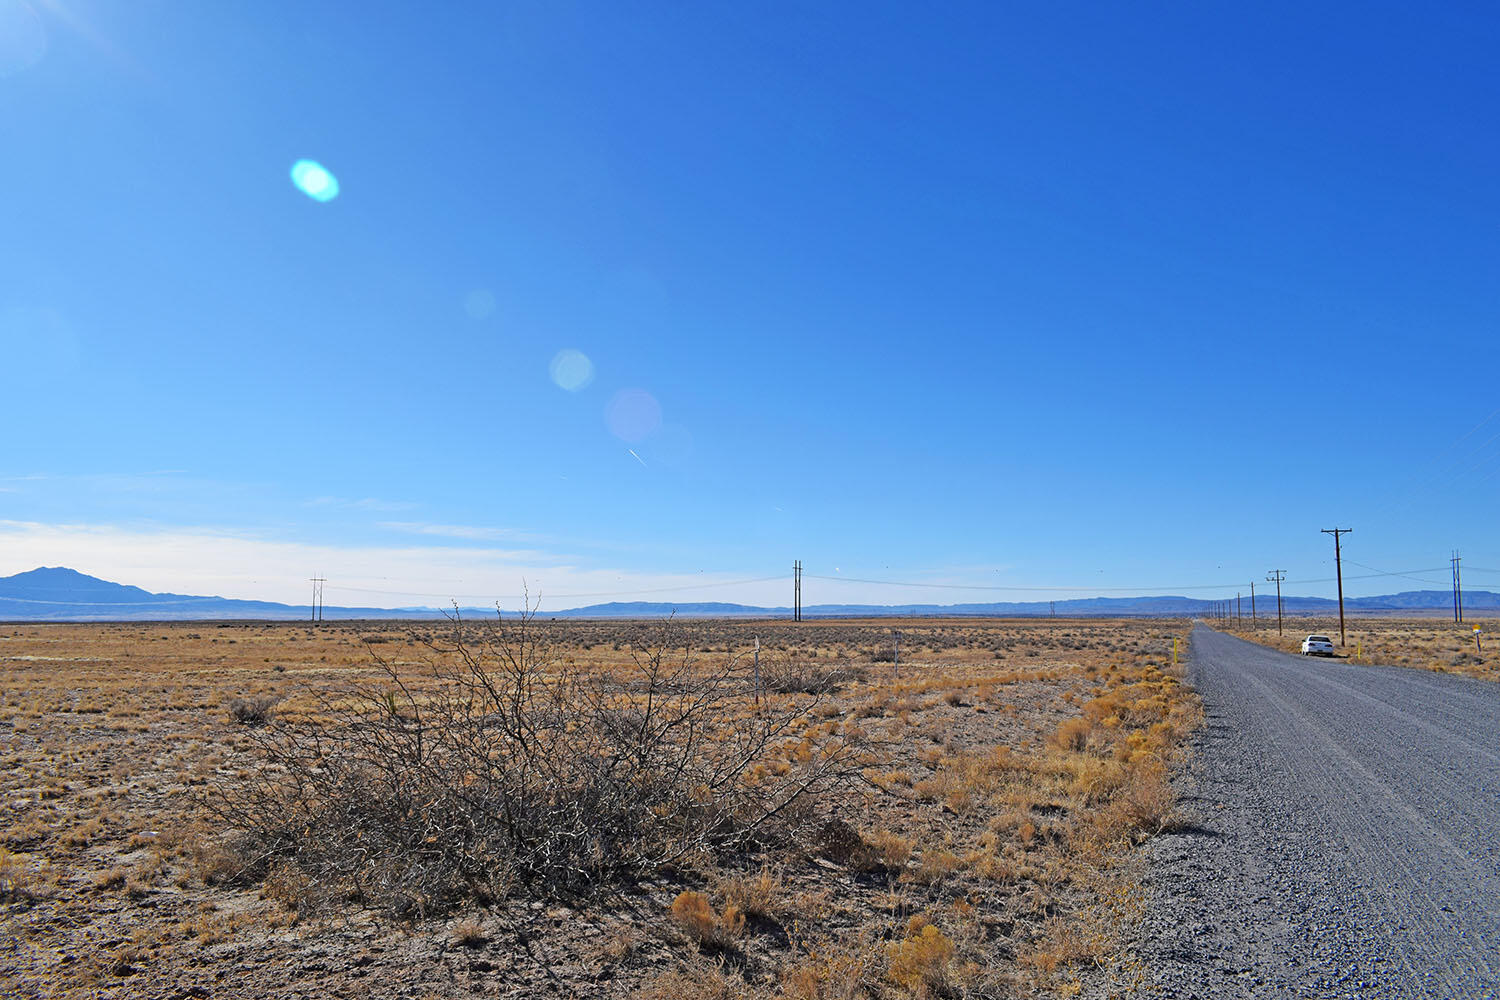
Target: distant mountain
<point>60,594</point>
<point>68,586</point>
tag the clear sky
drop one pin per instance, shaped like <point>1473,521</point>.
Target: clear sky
<point>1005,295</point>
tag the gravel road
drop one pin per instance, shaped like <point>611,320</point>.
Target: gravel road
<point>1347,837</point>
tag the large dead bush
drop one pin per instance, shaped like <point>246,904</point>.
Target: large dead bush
<point>789,673</point>
<point>496,771</point>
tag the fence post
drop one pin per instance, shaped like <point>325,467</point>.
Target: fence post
<point>757,670</point>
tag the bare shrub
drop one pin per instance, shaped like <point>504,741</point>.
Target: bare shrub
<point>792,674</point>
<point>255,710</point>
<point>505,773</point>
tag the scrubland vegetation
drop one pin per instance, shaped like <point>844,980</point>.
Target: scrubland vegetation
<point>582,809</point>
<point>1438,644</point>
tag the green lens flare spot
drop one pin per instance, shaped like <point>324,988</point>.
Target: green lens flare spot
<point>314,180</point>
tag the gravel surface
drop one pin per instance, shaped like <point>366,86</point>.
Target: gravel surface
<point>1346,839</point>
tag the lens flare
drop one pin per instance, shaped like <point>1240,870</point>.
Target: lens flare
<point>633,415</point>
<point>314,180</point>
<point>571,370</point>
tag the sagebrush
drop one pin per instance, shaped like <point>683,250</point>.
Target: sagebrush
<point>507,772</point>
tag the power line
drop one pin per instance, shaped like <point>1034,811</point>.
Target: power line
<point>602,593</point>
<point>1404,496</point>
<point>1406,575</point>
<point>1094,589</point>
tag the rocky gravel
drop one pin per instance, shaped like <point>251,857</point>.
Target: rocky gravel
<point>1344,835</point>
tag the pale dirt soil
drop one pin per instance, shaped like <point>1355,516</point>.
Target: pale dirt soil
<point>1010,770</point>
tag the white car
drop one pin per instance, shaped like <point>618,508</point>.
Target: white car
<point>1317,645</point>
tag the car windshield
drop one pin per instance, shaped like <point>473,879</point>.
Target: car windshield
<point>1318,638</point>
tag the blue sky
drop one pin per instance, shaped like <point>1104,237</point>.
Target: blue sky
<point>1068,295</point>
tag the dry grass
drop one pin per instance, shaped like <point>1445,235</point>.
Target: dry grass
<point>1008,770</point>
<point>1436,644</point>
<point>706,926</point>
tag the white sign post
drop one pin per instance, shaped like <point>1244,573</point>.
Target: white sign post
<point>757,670</point>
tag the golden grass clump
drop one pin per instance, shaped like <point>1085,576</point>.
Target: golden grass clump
<point>920,963</point>
<point>762,895</point>
<point>695,915</point>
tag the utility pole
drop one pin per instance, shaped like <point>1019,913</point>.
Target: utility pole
<point>1252,603</point>
<point>1237,615</point>
<point>1054,608</point>
<point>1338,561</point>
<point>317,597</point>
<point>1458,580</point>
<point>1277,575</point>
<point>1458,590</point>
<point>797,591</point>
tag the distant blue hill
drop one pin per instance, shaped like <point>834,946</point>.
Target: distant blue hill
<point>59,594</point>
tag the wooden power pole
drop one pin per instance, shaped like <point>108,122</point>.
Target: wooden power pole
<point>1458,589</point>
<point>1338,562</point>
<point>1276,576</point>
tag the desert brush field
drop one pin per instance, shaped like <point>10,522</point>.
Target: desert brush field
<point>536,808</point>
<point>1437,644</point>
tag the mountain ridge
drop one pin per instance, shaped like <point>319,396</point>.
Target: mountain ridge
<point>58,593</point>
